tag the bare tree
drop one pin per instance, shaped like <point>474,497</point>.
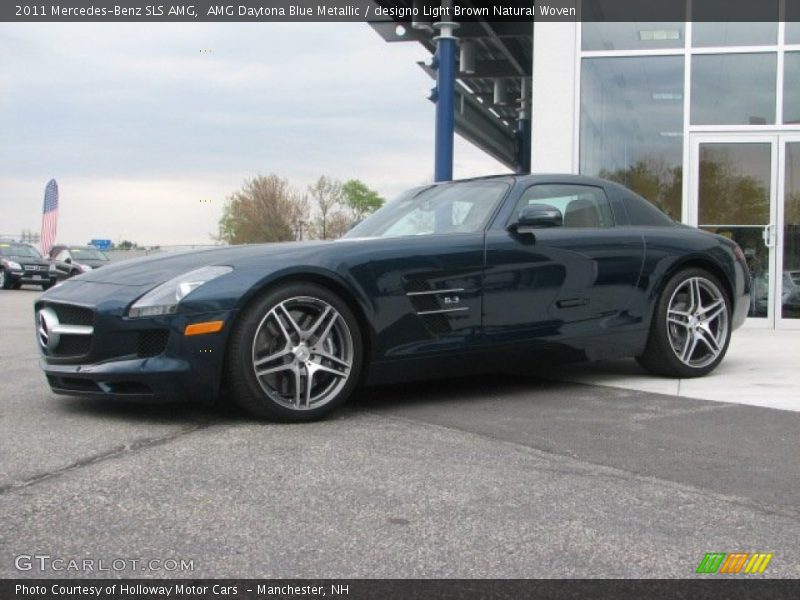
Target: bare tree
<point>327,194</point>
<point>266,209</point>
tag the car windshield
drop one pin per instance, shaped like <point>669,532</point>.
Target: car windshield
<point>87,254</point>
<point>19,250</point>
<point>462,207</point>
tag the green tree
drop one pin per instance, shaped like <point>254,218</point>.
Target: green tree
<point>360,199</point>
<point>266,209</point>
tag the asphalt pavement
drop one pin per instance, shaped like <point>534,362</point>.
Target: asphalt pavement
<point>501,476</point>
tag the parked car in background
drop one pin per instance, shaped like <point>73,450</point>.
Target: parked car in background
<point>22,263</point>
<point>74,260</point>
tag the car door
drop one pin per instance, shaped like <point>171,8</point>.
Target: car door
<point>566,281</point>
<point>424,269</point>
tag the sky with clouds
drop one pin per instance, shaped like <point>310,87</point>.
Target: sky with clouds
<point>139,123</point>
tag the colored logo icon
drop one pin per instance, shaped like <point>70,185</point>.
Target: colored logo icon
<point>733,563</point>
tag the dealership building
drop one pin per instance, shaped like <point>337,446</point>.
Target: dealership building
<point>700,116</point>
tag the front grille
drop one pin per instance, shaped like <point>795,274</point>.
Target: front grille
<point>35,268</point>
<point>152,342</point>
<point>69,314</point>
<point>73,345</point>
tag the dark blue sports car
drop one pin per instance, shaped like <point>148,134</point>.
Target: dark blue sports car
<point>453,278</point>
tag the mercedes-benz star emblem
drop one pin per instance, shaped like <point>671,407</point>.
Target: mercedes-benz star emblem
<point>47,330</point>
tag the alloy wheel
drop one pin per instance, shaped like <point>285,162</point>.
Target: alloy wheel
<point>302,353</point>
<point>697,322</point>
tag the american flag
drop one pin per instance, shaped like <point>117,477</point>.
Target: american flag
<point>49,216</point>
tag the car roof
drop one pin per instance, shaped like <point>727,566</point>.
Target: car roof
<point>536,178</point>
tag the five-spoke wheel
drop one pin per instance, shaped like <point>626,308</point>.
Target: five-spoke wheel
<point>295,354</point>
<point>690,331</point>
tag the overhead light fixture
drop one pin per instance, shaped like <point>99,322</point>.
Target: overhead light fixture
<point>466,61</point>
<point>501,92</point>
<point>656,35</point>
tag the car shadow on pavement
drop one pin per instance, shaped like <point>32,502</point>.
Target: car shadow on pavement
<point>441,392</point>
<point>156,413</point>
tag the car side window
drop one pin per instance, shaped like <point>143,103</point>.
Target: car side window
<point>580,205</point>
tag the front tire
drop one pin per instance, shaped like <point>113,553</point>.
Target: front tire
<point>5,280</point>
<point>295,354</point>
<point>691,329</point>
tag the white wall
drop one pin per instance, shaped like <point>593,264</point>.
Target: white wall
<point>553,126</point>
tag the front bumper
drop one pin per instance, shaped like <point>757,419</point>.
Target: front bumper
<point>740,309</point>
<point>148,359</point>
<point>33,278</point>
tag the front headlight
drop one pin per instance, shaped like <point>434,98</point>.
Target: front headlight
<point>164,299</point>
<point>13,265</point>
<point>84,268</point>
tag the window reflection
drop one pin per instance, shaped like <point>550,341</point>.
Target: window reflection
<point>790,298</point>
<point>791,88</point>
<point>734,23</point>
<point>734,89</point>
<point>631,36</point>
<point>632,125</point>
<point>735,183</point>
<point>734,201</point>
<point>793,30</point>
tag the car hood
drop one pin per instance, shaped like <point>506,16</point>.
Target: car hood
<point>28,260</point>
<point>161,267</point>
<point>93,262</point>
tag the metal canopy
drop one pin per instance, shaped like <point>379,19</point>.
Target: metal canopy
<point>494,92</point>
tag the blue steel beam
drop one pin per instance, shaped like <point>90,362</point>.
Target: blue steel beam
<point>445,101</point>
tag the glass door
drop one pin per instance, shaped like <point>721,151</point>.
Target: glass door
<point>787,307</point>
<point>733,193</point>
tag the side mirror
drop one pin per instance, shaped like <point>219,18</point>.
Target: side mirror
<point>68,260</point>
<point>537,216</point>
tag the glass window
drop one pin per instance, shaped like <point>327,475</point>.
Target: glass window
<point>632,125</point>
<point>448,208</point>
<point>793,30</point>
<point>790,299</point>
<point>734,23</point>
<point>791,88</point>
<point>580,205</point>
<point>734,89</point>
<point>705,35</point>
<point>631,36</point>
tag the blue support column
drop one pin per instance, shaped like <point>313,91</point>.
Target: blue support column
<point>445,101</point>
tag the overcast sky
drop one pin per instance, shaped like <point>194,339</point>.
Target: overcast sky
<point>138,125</point>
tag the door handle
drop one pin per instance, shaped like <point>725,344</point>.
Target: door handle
<point>768,235</point>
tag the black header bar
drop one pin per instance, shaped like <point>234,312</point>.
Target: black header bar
<point>402,11</point>
<point>702,588</point>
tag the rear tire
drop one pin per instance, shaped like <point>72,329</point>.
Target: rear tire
<point>690,331</point>
<point>295,354</point>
